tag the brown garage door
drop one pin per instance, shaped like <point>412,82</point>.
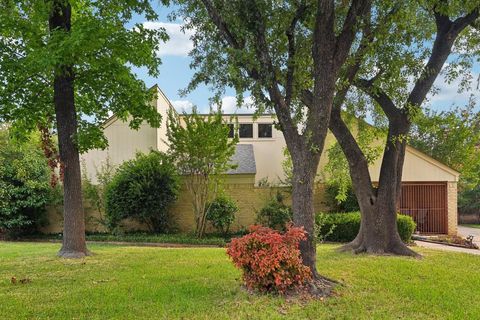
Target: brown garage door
<point>426,203</point>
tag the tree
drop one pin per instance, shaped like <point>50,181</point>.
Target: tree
<point>25,190</point>
<point>277,51</point>
<point>65,64</point>
<point>202,151</point>
<point>395,60</point>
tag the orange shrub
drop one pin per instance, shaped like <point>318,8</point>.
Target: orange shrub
<point>270,260</point>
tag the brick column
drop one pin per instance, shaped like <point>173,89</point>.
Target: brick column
<point>452,207</point>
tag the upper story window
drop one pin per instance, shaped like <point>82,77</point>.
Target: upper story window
<point>231,130</point>
<point>245,130</point>
<point>264,130</point>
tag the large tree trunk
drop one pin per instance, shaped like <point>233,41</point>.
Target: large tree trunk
<point>74,245</point>
<point>378,232</point>
<point>305,166</point>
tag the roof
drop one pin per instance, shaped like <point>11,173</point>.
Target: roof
<point>244,159</point>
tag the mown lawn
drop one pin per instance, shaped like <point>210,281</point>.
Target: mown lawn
<point>200,283</point>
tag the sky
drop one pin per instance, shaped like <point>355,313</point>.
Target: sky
<point>175,73</point>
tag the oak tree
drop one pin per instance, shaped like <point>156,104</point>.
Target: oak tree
<point>66,65</point>
<point>276,50</point>
<point>414,52</point>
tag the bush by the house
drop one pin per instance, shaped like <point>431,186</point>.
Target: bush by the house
<point>25,189</point>
<point>270,260</point>
<point>221,213</point>
<point>347,225</point>
<point>143,189</point>
<point>275,214</point>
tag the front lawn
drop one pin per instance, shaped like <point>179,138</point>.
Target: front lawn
<point>201,283</point>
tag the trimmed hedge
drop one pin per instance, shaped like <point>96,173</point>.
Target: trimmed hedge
<point>347,226</point>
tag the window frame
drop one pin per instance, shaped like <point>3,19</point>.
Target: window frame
<point>265,124</point>
<point>240,131</point>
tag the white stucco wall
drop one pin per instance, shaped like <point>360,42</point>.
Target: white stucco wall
<point>124,143</point>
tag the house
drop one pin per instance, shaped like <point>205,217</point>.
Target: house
<point>429,188</point>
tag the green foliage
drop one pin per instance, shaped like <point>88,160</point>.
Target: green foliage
<point>321,232</point>
<point>25,189</point>
<point>340,196</point>
<point>349,202</point>
<point>95,193</point>
<point>221,213</point>
<point>202,152</point>
<point>275,214</point>
<point>143,189</point>
<point>469,200</point>
<point>101,47</point>
<point>347,225</point>
<point>452,137</point>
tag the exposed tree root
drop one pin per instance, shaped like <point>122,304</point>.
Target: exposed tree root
<point>397,249</point>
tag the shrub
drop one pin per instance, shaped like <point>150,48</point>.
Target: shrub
<point>221,213</point>
<point>143,189</point>
<point>347,225</point>
<point>275,214</point>
<point>25,189</point>
<point>270,260</point>
<point>349,204</point>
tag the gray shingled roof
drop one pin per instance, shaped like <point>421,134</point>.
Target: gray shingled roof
<point>244,159</point>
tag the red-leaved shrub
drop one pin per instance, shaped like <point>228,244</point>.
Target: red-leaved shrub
<point>270,260</point>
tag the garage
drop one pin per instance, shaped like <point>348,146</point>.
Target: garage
<point>427,204</point>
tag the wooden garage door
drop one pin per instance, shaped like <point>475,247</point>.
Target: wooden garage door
<point>426,203</point>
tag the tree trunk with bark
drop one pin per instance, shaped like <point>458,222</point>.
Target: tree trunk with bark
<point>304,172</point>
<point>74,245</point>
<point>378,232</point>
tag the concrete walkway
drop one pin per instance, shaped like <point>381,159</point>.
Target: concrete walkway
<point>466,231</point>
<point>444,247</point>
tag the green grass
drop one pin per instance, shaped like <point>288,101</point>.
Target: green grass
<point>471,225</point>
<point>174,238</point>
<point>201,283</point>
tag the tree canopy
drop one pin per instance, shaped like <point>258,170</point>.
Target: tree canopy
<point>101,50</point>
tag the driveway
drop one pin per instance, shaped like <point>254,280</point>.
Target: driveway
<point>466,231</point>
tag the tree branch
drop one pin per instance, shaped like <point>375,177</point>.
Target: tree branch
<point>447,33</point>
<point>380,96</point>
<point>344,40</point>
<point>290,33</point>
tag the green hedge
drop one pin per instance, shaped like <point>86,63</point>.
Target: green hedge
<point>348,224</point>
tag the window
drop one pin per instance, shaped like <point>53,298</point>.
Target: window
<point>245,130</point>
<point>231,128</point>
<point>264,130</point>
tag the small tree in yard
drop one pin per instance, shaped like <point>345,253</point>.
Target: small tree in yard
<point>202,151</point>
<point>143,189</point>
<point>25,189</point>
<point>65,65</point>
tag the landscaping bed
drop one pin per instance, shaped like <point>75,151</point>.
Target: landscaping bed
<point>454,241</point>
<point>179,239</point>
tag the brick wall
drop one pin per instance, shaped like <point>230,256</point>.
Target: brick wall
<point>452,208</point>
<point>250,200</point>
